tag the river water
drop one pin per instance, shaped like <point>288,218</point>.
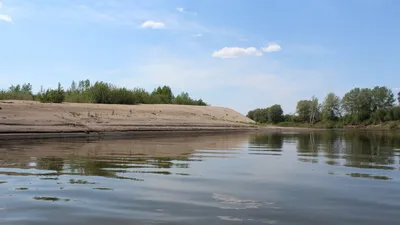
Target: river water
<point>270,178</point>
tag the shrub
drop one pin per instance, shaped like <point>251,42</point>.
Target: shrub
<point>18,92</point>
<point>54,96</point>
<point>100,92</point>
<point>184,99</point>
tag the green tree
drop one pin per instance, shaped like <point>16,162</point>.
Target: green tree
<point>54,96</point>
<point>382,98</point>
<point>165,94</point>
<point>100,92</point>
<point>73,87</point>
<point>398,97</point>
<point>331,107</point>
<point>275,113</point>
<point>314,110</point>
<point>259,115</point>
<point>27,88</point>
<point>15,88</point>
<point>303,110</point>
<point>359,104</point>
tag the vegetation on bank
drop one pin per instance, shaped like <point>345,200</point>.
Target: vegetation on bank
<point>358,107</point>
<point>99,92</point>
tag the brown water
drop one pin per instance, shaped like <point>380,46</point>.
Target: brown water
<point>273,178</point>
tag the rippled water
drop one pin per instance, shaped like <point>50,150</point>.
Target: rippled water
<point>273,178</point>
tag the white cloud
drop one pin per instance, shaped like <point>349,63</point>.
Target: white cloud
<point>235,52</point>
<point>272,47</point>
<point>180,9</point>
<point>6,18</point>
<point>197,35</point>
<point>153,24</point>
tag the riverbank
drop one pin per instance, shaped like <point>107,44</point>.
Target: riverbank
<point>284,126</point>
<point>30,118</point>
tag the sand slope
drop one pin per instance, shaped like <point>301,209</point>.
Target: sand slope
<point>35,117</point>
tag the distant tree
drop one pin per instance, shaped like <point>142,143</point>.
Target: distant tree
<point>314,110</point>
<point>303,110</point>
<point>331,107</point>
<point>398,97</point>
<point>54,96</point>
<point>164,93</point>
<point>87,84</point>
<point>15,88</point>
<point>27,88</point>
<point>275,113</point>
<point>100,92</point>
<point>358,103</point>
<point>259,115</point>
<point>201,102</point>
<point>250,114</point>
<point>382,98</point>
<point>73,87</point>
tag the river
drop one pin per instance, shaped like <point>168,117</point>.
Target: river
<point>261,178</point>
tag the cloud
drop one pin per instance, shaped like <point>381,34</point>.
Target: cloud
<point>153,24</point>
<point>197,35</point>
<point>1,5</point>
<point>235,52</point>
<point>272,47</point>
<point>6,18</point>
<point>180,9</point>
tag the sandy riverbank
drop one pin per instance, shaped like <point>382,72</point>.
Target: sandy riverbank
<point>29,117</point>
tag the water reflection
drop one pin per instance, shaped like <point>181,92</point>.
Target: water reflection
<point>266,144</point>
<point>237,178</point>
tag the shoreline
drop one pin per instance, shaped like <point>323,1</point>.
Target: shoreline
<point>35,120</point>
<point>115,134</point>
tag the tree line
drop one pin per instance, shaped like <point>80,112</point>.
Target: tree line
<point>359,106</point>
<point>99,92</point>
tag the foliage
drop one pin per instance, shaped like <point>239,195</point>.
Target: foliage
<point>303,110</point>
<point>164,94</point>
<point>382,98</point>
<point>17,92</point>
<point>273,114</point>
<point>315,110</point>
<point>99,92</point>
<point>398,97</point>
<point>52,96</point>
<point>331,108</point>
<point>184,99</point>
<point>359,106</point>
<point>363,104</point>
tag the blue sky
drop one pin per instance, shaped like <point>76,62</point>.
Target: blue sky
<point>238,54</point>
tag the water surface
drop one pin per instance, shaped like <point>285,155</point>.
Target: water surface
<point>272,178</point>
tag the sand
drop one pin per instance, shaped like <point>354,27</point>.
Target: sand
<point>22,117</point>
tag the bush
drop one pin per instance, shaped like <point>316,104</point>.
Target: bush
<point>122,96</point>
<point>77,97</point>
<point>141,96</point>
<point>18,92</point>
<point>100,92</point>
<point>7,95</point>
<point>54,96</point>
<point>184,99</point>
